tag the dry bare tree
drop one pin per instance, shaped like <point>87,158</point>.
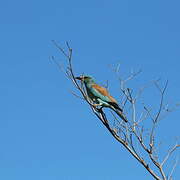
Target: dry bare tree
<point>133,136</point>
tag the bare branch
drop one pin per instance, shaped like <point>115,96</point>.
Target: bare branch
<point>61,49</point>
<point>132,75</point>
<point>173,168</point>
<point>169,153</point>
<point>132,132</point>
<point>77,95</point>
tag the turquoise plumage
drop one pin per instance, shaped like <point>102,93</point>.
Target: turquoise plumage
<point>100,96</point>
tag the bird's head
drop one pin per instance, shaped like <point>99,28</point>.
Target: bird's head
<point>85,79</point>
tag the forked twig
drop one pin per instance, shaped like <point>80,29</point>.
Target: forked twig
<point>127,133</point>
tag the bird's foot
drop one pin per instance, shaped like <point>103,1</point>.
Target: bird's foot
<point>96,105</point>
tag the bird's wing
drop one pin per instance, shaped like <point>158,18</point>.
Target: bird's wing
<point>102,93</point>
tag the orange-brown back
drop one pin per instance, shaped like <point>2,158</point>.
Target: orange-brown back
<point>104,92</point>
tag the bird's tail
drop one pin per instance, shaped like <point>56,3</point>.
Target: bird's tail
<point>121,115</point>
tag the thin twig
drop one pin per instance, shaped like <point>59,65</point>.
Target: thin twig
<point>125,134</point>
<point>169,153</point>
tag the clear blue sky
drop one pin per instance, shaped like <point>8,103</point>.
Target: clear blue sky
<point>45,132</point>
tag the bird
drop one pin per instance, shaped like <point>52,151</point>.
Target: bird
<point>100,95</point>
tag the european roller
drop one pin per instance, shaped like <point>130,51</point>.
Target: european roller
<point>100,96</point>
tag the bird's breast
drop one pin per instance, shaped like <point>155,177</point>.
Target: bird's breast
<point>90,93</point>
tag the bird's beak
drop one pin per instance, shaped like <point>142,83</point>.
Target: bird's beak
<point>79,78</point>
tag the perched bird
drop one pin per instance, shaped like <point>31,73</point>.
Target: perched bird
<point>100,96</point>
